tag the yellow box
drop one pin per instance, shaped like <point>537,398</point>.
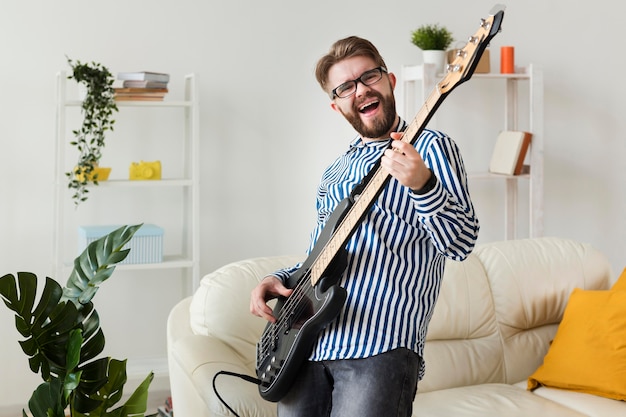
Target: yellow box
<point>98,173</point>
<point>145,170</point>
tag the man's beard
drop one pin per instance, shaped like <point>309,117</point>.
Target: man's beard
<point>382,125</point>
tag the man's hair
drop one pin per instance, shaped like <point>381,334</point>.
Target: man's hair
<point>343,49</point>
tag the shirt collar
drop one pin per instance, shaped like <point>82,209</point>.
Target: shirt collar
<point>359,143</point>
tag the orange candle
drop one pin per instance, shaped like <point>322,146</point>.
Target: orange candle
<point>507,60</point>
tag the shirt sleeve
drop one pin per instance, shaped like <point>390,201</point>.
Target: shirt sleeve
<point>446,211</point>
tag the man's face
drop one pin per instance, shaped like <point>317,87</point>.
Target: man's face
<point>371,110</point>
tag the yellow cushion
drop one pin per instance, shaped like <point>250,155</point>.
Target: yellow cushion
<point>620,284</point>
<point>588,353</point>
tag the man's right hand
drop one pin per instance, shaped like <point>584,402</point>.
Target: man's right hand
<point>269,288</point>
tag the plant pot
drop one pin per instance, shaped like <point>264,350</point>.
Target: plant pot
<point>101,172</point>
<point>435,57</point>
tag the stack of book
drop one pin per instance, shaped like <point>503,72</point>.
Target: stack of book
<point>166,410</point>
<point>142,86</point>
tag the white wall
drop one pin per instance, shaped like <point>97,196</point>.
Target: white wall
<point>267,130</point>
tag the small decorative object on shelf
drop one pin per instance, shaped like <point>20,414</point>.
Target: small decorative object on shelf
<point>142,86</point>
<point>140,94</point>
<point>433,40</point>
<point>63,337</point>
<point>484,63</point>
<point>144,76</point>
<point>507,60</point>
<point>509,153</point>
<point>146,246</point>
<point>97,107</point>
<point>145,171</point>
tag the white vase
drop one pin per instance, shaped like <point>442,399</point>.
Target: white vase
<point>435,57</point>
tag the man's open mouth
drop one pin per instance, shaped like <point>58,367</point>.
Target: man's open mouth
<point>369,107</point>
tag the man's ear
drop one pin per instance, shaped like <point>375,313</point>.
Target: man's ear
<point>334,106</point>
<point>392,80</point>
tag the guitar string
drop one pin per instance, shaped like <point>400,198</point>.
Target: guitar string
<point>296,297</point>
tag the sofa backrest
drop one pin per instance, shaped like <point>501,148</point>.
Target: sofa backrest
<point>497,311</point>
<point>500,308</point>
<point>220,307</point>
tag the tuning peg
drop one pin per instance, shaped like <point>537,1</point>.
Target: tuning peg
<point>473,39</point>
<point>460,53</point>
<point>453,68</point>
<point>485,24</point>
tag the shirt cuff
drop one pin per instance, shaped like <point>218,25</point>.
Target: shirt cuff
<point>432,201</point>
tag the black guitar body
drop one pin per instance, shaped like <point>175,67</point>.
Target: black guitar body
<point>286,344</point>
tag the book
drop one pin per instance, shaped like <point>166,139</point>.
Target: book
<point>509,152</point>
<point>137,97</point>
<point>144,76</point>
<point>144,84</point>
<point>147,91</point>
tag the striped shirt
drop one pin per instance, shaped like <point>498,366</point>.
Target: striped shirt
<point>396,255</point>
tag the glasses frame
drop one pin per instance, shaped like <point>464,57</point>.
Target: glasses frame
<point>382,69</point>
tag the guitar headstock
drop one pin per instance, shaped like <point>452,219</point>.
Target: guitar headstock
<point>466,60</point>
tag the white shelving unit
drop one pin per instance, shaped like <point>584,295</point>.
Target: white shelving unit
<point>187,258</point>
<point>419,80</point>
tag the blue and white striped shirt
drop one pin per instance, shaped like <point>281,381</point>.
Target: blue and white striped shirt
<point>396,255</point>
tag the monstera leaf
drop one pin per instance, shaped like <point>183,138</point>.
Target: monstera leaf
<point>94,265</point>
<point>62,336</point>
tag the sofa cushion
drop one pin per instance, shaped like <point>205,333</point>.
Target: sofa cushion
<point>463,346</point>
<point>621,282</point>
<point>488,400</point>
<point>531,281</point>
<point>223,298</point>
<point>588,353</point>
<point>589,405</point>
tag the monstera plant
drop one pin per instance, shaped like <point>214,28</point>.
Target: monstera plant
<point>62,337</point>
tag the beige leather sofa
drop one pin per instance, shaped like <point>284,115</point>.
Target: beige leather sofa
<point>492,326</point>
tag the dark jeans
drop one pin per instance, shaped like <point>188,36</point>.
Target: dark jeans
<point>380,386</point>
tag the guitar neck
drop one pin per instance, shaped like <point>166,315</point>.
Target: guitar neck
<point>364,201</point>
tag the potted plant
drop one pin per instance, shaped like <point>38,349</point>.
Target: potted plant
<point>63,337</point>
<point>433,40</point>
<point>98,107</point>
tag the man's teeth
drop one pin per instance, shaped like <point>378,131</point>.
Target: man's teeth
<point>363,108</point>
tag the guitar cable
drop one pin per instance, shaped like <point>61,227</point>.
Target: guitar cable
<point>242,376</point>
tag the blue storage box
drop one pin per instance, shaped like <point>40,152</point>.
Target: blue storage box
<point>146,245</point>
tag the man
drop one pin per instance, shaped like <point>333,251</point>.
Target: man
<point>367,362</point>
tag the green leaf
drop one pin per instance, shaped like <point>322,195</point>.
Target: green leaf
<point>46,400</point>
<point>96,264</point>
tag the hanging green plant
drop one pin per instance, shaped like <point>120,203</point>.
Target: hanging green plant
<point>62,337</point>
<point>97,109</point>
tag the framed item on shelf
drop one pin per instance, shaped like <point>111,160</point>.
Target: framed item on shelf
<point>509,153</point>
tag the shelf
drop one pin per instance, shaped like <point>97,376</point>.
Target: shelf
<point>169,262</point>
<point>188,182</point>
<point>491,176</point>
<point>164,103</point>
<point>420,80</point>
<point>146,183</point>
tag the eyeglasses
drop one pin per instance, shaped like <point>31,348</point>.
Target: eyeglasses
<point>367,78</point>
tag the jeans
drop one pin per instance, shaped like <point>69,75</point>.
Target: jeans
<point>380,386</point>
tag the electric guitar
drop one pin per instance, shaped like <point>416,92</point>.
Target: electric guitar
<point>316,298</point>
